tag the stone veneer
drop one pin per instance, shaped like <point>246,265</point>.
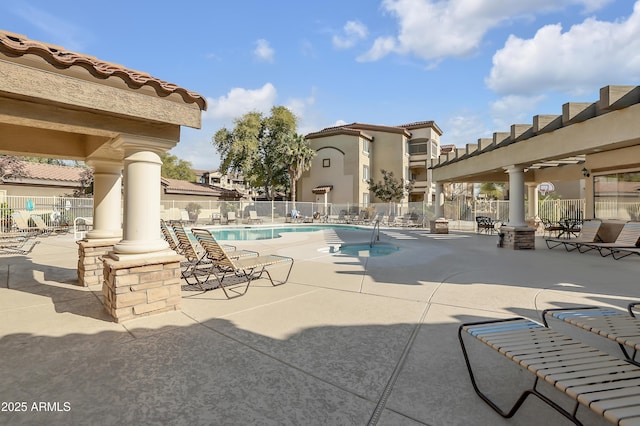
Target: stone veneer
<point>90,255</point>
<point>519,237</point>
<point>141,287</point>
<point>439,226</point>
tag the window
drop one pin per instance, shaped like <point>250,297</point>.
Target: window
<point>365,173</point>
<point>326,162</point>
<point>365,199</point>
<point>617,196</point>
<point>365,146</point>
<point>419,147</point>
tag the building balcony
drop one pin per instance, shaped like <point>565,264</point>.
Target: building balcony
<point>420,186</point>
<point>419,160</point>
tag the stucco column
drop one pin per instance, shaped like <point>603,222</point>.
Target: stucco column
<point>107,199</point>
<point>516,195</point>
<point>532,196</point>
<point>141,232</point>
<point>439,207</point>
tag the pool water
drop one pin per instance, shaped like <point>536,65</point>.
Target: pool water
<point>268,233</point>
<point>365,250</point>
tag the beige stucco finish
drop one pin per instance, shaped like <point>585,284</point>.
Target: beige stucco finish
<point>68,105</point>
<point>387,150</point>
<point>605,132</point>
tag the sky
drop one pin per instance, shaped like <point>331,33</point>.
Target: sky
<point>475,67</point>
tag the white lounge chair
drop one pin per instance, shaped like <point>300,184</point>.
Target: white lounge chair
<point>253,217</point>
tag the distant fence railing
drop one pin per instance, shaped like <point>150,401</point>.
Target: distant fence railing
<point>614,209</point>
<point>55,211</point>
<point>461,212</point>
<point>554,210</point>
<point>277,211</point>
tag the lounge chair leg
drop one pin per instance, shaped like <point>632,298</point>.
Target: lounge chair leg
<point>516,406</point>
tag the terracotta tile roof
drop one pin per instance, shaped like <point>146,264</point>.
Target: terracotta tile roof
<point>19,45</point>
<point>184,187</point>
<point>356,129</point>
<point>52,172</point>
<point>422,124</point>
<point>446,148</point>
<point>337,130</point>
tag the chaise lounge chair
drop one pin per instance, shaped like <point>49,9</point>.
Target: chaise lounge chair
<point>588,234</point>
<point>253,217</point>
<point>249,268</point>
<point>185,218</point>
<point>231,218</point>
<point>43,228</point>
<point>21,224</point>
<point>619,253</point>
<point>627,238</point>
<point>17,243</point>
<point>196,265</point>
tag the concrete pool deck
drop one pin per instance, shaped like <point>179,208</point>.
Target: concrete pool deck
<point>348,340</point>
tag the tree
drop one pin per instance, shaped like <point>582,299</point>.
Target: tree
<point>492,190</point>
<point>43,160</point>
<point>297,155</point>
<point>254,148</point>
<point>175,168</point>
<point>11,167</point>
<point>390,189</point>
<point>86,183</point>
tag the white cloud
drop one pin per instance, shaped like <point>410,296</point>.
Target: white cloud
<point>514,109</point>
<point>239,101</point>
<point>432,30</point>
<point>354,31</point>
<point>462,129</point>
<point>60,32</point>
<point>263,51</point>
<point>381,47</point>
<point>299,105</point>
<point>591,54</point>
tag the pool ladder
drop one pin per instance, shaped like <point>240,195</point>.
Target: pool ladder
<point>375,236</point>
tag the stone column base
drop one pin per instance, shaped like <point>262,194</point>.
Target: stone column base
<point>439,226</point>
<point>141,287</point>
<point>90,255</point>
<point>519,237</point>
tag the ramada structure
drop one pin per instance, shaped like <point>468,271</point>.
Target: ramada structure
<point>596,141</point>
<point>60,104</point>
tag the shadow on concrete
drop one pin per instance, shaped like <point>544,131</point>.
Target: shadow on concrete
<point>217,373</point>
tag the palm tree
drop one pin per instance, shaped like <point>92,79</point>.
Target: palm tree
<point>296,155</point>
<point>492,190</point>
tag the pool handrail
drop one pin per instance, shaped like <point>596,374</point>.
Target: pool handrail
<point>375,236</point>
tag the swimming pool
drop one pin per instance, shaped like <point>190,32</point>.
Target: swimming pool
<point>365,250</point>
<point>268,233</point>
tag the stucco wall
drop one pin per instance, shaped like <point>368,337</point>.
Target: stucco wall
<point>389,153</point>
<point>340,173</point>
<point>36,191</point>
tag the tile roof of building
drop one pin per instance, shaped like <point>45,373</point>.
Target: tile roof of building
<point>45,171</point>
<point>186,187</point>
<point>356,129</point>
<point>446,148</point>
<point>19,45</point>
<point>422,124</point>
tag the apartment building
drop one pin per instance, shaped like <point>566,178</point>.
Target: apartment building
<point>351,154</point>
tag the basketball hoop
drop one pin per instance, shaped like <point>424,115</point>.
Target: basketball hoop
<point>546,187</point>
